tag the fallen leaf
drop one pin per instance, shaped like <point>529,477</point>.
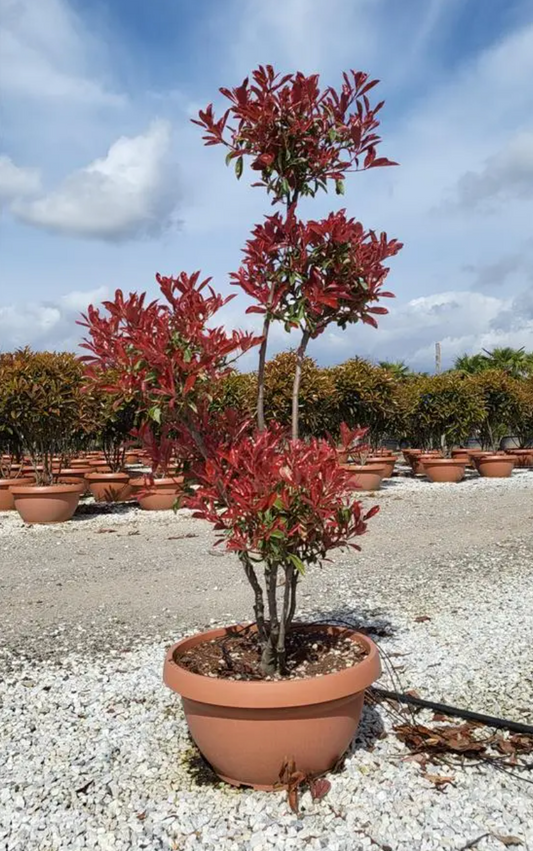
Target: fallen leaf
<point>141,816</point>
<point>439,780</point>
<point>422,618</point>
<point>319,788</point>
<point>508,841</point>
<point>101,530</point>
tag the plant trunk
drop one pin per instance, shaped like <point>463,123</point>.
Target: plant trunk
<point>300,354</point>
<point>269,657</point>
<point>261,377</point>
<point>259,605</point>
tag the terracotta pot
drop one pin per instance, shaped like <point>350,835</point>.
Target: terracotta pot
<point>462,455</point>
<point>495,466</point>
<point>101,466</point>
<point>386,461</point>
<point>444,469</point>
<point>161,495</point>
<point>524,457</point>
<point>7,501</point>
<point>48,504</point>
<point>365,477</point>
<point>76,475</point>
<point>246,729</point>
<point>417,462</point>
<point>109,487</point>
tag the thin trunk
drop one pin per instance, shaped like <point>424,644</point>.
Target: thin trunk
<point>300,354</point>
<point>269,657</point>
<point>284,622</point>
<point>261,377</point>
<point>292,607</point>
<point>259,605</point>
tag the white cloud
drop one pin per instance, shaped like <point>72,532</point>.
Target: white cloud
<point>46,324</point>
<point>15,181</point>
<point>123,195</point>
<point>505,176</point>
<point>47,52</point>
<point>462,321</point>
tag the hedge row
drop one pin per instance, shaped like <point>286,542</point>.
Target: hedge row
<point>419,409</point>
<point>42,403</point>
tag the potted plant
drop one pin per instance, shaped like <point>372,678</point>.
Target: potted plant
<point>42,393</point>
<point>279,502</point>
<point>159,490</point>
<point>366,473</point>
<point>114,418</point>
<point>10,446</point>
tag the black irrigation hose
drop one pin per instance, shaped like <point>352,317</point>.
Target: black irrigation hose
<point>489,720</point>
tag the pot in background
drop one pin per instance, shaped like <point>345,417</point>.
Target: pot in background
<point>365,477</point>
<point>48,504</point>
<point>76,475</point>
<point>495,466</point>
<point>109,487</point>
<point>444,469</point>
<point>7,501</point>
<point>524,457</point>
<point>245,730</point>
<point>158,495</point>
<point>386,461</point>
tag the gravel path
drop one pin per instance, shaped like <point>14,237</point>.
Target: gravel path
<point>95,753</point>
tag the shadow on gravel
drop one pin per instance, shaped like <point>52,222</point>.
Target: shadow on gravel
<point>86,511</point>
<point>371,622</point>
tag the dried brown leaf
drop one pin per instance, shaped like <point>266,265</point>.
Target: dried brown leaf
<point>319,788</point>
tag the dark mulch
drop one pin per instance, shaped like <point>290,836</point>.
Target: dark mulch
<point>236,656</point>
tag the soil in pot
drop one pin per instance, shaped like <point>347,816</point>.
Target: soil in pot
<point>365,477</point>
<point>7,501</point>
<point>495,466</point>
<point>444,469</point>
<point>109,487</point>
<point>48,504</point>
<point>245,726</point>
<point>159,495</point>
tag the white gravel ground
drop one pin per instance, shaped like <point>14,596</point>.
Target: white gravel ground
<point>95,753</point>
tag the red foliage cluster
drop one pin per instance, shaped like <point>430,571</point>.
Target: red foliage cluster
<point>283,501</point>
<point>316,272</point>
<point>297,135</point>
<point>163,351</point>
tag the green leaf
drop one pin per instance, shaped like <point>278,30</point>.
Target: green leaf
<point>238,168</point>
<point>155,413</point>
<point>339,187</point>
<point>229,157</point>
<point>297,562</point>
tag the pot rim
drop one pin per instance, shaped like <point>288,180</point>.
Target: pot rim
<point>364,468</point>
<point>43,490</point>
<point>272,694</point>
<point>168,482</point>
<point>121,477</point>
<point>454,462</point>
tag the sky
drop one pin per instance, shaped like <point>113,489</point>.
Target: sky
<point>104,180</point>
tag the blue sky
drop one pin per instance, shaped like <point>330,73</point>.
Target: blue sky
<point>104,181</point>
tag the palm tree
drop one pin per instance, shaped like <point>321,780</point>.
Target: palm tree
<point>471,364</point>
<point>516,362</point>
<point>397,368</point>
